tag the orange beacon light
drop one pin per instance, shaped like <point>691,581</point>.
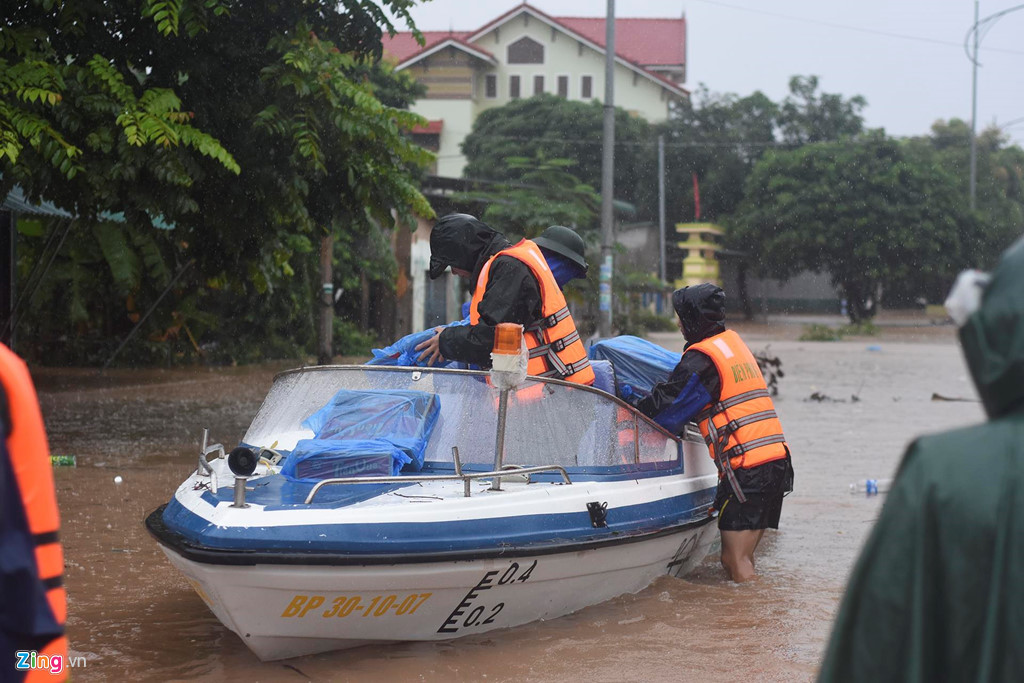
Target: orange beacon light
<point>508,339</point>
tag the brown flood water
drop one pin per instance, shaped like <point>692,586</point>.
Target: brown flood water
<point>134,617</point>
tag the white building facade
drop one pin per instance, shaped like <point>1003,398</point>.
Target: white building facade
<point>525,53</point>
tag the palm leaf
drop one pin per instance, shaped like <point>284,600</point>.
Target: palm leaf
<point>120,257</point>
<point>152,257</point>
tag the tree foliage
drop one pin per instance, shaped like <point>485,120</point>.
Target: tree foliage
<point>62,107</point>
<point>251,128</point>
<point>807,116</point>
<point>563,129</point>
<point>718,138</point>
<point>999,218</point>
<point>867,213</point>
<point>546,194</point>
<point>800,183</point>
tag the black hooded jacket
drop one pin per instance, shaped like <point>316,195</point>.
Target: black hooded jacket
<point>701,310</point>
<point>512,294</point>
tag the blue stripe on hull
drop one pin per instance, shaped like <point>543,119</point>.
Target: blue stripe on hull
<point>428,537</point>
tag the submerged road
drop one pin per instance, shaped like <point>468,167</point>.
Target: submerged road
<point>131,616</point>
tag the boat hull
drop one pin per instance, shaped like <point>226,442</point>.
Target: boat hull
<point>294,609</point>
<point>599,502</point>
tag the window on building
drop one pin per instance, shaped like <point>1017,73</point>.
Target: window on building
<point>538,85</point>
<point>525,51</point>
<point>587,87</point>
<point>490,86</point>
<point>513,87</point>
<point>563,86</point>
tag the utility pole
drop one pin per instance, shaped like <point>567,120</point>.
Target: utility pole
<point>974,111</point>
<point>972,54</point>
<point>661,203</point>
<point>607,175</point>
<point>325,352</point>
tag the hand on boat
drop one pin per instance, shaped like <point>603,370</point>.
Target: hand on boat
<point>432,347</point>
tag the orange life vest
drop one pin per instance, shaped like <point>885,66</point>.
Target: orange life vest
<point>30,460</point>
<point>553,341</point>
<point>625,427</point>
<point>742,428</point>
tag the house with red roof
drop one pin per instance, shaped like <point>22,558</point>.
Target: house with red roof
<point>526,52</point>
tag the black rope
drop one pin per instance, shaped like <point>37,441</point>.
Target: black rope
<point>135,329</point>
<point>30,287</point>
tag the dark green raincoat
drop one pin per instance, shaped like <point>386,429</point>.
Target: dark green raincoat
<point>938,592</point>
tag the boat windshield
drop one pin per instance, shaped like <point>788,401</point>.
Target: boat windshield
<point>547,423</point>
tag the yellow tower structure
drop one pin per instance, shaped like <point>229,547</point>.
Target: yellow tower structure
<point>699,243</point>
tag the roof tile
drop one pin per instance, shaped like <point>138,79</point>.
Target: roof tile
<point>645,42</point>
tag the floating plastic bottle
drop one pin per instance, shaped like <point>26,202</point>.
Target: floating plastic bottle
<point>871,486</point>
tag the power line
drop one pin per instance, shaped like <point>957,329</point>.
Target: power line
<point>654,143</point>
<point>848,27</point>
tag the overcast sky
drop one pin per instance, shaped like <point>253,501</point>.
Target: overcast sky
<point>906,57</point>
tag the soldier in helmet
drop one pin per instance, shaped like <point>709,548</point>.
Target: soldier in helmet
<point>518,283</point>
<point>563,249</point>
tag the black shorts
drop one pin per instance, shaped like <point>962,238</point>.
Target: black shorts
<point>764,487</point>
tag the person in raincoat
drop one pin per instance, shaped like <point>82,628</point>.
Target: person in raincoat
<point>512,283</point>
<point>718,384</point>
<point>938,591</point>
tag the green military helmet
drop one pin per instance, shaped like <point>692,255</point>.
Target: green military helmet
<point>564,241</point>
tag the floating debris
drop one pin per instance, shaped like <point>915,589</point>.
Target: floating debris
<point>771,369</point>
<point>940,397</point>
<point>825,398</point>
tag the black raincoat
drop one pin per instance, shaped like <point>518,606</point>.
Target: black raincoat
<point>938,591</point>
<point>701,310</point>
<point>512,294</point>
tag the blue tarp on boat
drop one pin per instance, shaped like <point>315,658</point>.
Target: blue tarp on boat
<point>367,432</point>
<point>639,363</point>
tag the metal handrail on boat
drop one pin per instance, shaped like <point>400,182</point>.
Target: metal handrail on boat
<point>204,469</point>
<point>458,476</point>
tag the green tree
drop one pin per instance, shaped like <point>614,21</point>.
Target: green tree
<point>999,218</point>
<point>65,105</point>
<point>152,109</point>
<point>864,212</point>
<point>546,194</point>
<point>807,116</point>
<point>393,88</point>
<point>718,138</point>
<point>564,129</point>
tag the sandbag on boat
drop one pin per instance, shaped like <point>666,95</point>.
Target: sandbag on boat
<point>363,432</point>
<point>313,460</point>
<point>638,363</point>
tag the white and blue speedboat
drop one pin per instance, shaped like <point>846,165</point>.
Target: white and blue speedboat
<point>370,504</point>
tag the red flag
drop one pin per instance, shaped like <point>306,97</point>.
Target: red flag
<point>696,198</point>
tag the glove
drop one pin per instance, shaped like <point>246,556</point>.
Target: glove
<point>629,395</point>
